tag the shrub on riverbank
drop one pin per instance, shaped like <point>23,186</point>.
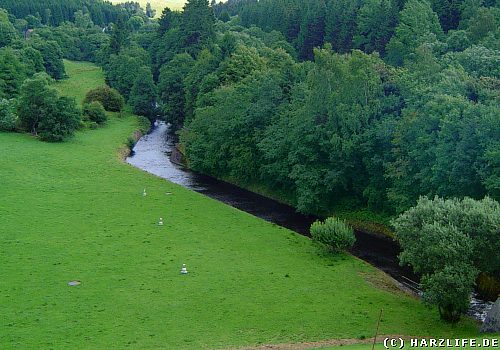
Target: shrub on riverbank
<point>333,233</point>
<point>450,240</point>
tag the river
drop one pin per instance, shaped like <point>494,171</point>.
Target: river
<point>152,154</point>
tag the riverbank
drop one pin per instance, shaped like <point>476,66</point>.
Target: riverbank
<point>361,219</point>
<point>76,211</point>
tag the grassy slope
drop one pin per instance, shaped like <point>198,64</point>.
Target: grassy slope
<point>158,5</point>
<point>75,211</point>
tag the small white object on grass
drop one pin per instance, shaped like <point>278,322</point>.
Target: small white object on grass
<point>144,194</point>
<point>184,270</point>
<point>160,222</point>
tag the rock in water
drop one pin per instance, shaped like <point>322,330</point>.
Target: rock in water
<point>492,322</point>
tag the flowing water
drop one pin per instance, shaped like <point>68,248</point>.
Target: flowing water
<point>152,154</point>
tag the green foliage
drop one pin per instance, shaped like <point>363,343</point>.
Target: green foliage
<point>80,42</point>
<point>143,94</point>
<point>42,112</point>
<point>333,233</point>
<point>123,69</point>
<point>485,21</point>
<point>12,73</point>
<point>60,121</point>
<point>110,99</point>
<point>312,29</point>
<point>95,112</point>
<point>7,30</point>
<point>450,289</point>
<point>448,241</point>
<point>32,59</point>
<point>171,89</point>
<point>119,34</point>
<point>197,26</point>
<point>418,24</point>
<point>52,57</point>
<point>55,12</point>
<point>375,25</point>
<point>8,119</point>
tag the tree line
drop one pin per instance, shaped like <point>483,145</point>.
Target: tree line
<point>367,25</point>
<point>56,12</point>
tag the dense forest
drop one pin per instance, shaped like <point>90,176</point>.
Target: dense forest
<point>324,104</point>
<point>55,12</point>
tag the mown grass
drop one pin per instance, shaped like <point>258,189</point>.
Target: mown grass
<point>75,211</point>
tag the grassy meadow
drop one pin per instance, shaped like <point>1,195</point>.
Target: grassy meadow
<point>75,211</point>
<point>158,5</point>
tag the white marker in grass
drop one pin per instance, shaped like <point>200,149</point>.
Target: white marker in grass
<point>184,270</point>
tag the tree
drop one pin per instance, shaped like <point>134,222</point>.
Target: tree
<point>333,233</point>
<point>95,112</point>
<point>52,57</point>
<point>42,112</point>
<point>12,73</point>
<point>7,30</point>
<point>150,12</point>
<point>171,89</point>
<point>312,29</point>
<point>135,23</point>
<point>376,22</point>
<point>110,99</point>
<point>448,242</point>
<point>123,69</point>
<point>485,20</point>
<point>32,59</point>
<point>197,27</point>
<point>83,20</point>
<point>450,289</point>
<point>119,34</point>
<point>169,19</point>
<point>143,94</point>
<point>205,64</point>
<point>60,120</point>
<point>418,24</point>
<point>8,119</point>
<point>341,24</point>
<point>225,17</point>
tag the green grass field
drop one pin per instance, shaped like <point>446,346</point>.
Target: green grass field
<point>75,211</point>
<point>158,5</point>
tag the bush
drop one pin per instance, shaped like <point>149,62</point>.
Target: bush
<point>42,112</point>
<point>95,112</point>
<point>8,118</point>
<point>110,98</point>
<point>333,233</point>
<point>450,289</point>
<point>448,242</point>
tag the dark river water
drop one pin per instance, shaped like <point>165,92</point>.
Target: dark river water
<point>152,154</point>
